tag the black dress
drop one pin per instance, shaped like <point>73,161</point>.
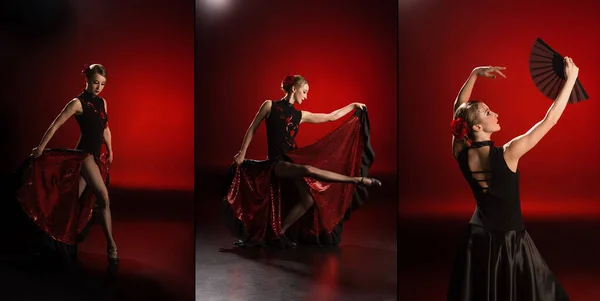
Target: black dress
<point>92,123</point>
<point>43,205</point>
<point>256,202</point>
<point>497,259</point>
<point>282,125</point>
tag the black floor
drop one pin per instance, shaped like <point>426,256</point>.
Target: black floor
<point>362,267</point>
<point>154,231</point>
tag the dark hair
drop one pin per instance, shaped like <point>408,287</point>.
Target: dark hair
<point>94,69</point>
<point>468,112</point>
<point>292,81</point>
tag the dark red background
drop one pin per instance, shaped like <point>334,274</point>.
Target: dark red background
<point>148,50</point>
<point>346,51</point>
<point>148,53</point>
<point>440,42</point>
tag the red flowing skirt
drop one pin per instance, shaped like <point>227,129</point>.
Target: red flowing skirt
<point>257,202</point>
<point>49,194</point>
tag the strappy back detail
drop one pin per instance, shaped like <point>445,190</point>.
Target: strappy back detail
<point>483,177</point>
<point>494,185</point>
<point>484,181</point>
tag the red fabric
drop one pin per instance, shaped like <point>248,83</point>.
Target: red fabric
<point>49,194</point>
<point>256,196</point>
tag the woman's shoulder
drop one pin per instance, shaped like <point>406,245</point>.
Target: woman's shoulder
<point>267,104</point>
<point>75,105</point>
<point>76,101</point>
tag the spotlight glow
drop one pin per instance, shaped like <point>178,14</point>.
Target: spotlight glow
<point>212,6</point>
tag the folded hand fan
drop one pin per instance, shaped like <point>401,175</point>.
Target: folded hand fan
<point>547,69</point>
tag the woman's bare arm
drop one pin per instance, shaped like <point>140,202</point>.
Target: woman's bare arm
<point>107,135</point>
<point>263,112</point>
<point>520,145</point>
<point>309,117</point>
<point>74,106</point>
<point>465,94</point>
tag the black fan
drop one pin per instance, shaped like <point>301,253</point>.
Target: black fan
<point>547,68</point>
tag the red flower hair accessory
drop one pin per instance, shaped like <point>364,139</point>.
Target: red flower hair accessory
<point>460,128</point>
<point>288,80</point>
<point>85,69</point>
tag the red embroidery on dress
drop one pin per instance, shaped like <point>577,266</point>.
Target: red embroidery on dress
<point>292,130</point>
<point>102,114</point>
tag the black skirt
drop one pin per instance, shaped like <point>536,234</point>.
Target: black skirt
<point>501,266</point>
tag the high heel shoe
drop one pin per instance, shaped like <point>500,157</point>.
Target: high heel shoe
<point>285,242</point>
<point>374,182</point>
<point>112,261</point>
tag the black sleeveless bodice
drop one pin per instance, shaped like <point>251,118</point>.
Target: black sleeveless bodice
<point>282,126</point>
<point>92,123</point>
<point>499,205</point>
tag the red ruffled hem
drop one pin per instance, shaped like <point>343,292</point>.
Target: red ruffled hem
<point>49,195</point>
<point>261,201</point>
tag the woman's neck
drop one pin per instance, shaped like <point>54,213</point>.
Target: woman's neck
<point>482,137</point>
<point>288,99</point>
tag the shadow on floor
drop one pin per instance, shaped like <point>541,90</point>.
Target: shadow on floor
<point>30,279</point>
<point>351,268</point>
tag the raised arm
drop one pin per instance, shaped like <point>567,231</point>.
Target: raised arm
<point>263,112</point>
<point>309,117</point>
<point>465,94</point>
<point>71,108</point>
<point>520,145</point>
<point>108,138</point>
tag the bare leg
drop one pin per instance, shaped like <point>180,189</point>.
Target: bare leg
<point>296,171</point>
<point>82,185</point>
<point>291,170</point>
<point>306,201</point>
<point>91,174</point>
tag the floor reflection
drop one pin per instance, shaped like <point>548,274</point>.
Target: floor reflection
<point>362,267</point>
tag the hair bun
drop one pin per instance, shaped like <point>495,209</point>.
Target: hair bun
<point>288,80</point>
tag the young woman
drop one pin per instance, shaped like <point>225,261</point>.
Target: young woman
<point>63,208</point>
<point>311,183</point>
<point>498,259</point>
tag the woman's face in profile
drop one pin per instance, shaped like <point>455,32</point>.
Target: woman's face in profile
<point>301,93</point>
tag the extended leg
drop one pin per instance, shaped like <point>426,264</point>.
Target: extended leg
<point>291,170</point>
<point>91,174</point>
<point>296,171</point>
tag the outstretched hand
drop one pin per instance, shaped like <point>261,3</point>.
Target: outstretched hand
<point>359,106</point>
<point>488,71</point>
<point>36,152</point>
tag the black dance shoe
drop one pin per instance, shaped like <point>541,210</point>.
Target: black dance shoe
<point>374,182</point>
<point>112,261</point>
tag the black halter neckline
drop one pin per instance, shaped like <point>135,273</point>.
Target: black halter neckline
<point>287,102</point>
<point>476,144</point>
<point>89,95</point>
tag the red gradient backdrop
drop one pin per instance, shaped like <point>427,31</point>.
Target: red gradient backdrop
<point>346,51</point>
<point>440,42</point>
<point>148,52</point>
